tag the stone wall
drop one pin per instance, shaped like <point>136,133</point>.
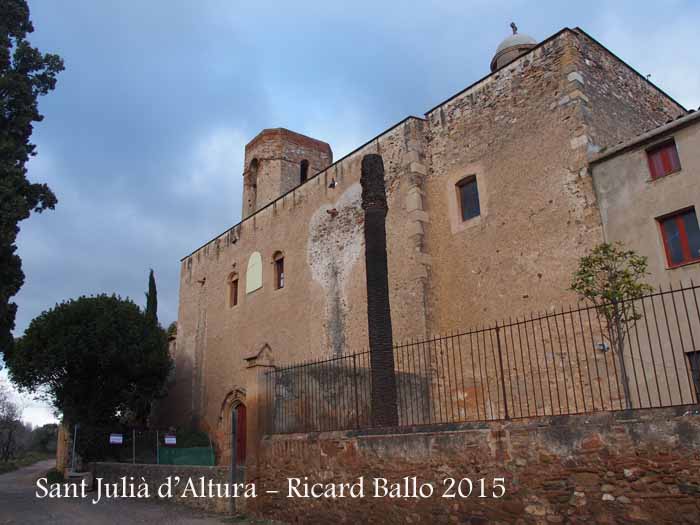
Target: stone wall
<point>156,475</point>
<point>615,101</point>
<point>640,466</point>
<point>525,133</point>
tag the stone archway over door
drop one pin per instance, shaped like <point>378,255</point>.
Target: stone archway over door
<point>238,442</point>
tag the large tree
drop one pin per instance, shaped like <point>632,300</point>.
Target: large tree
<point>25,74</point>
<point>97,359</point>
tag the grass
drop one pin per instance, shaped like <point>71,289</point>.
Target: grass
<point>24,461</point>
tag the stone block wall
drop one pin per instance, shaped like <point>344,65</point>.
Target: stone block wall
<point>639,466</point>
<point>616,102</point>
<point>525,133</point>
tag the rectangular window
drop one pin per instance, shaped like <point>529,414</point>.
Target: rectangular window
<point>663,159</point>
<point>468,198</point>
<point>681,236</point>
<point>279,273</point>
<point>233,293</point>
<point>694,359</point>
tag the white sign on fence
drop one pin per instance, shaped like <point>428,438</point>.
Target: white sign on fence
<point>170,439</point>
<point>116,439</point>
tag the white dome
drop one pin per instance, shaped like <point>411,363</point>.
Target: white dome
<point>518,39</point>
<point>511,48</point>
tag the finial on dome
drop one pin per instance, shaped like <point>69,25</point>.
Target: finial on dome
<point>514,28</point>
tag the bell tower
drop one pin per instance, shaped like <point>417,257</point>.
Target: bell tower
<point>276,161</point>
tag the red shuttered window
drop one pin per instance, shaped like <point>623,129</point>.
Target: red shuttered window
<point>681,236</point>
<point>663,159</point>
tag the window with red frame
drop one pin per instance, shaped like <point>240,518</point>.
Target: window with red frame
<point>681,236</point>
<point>663,159</point>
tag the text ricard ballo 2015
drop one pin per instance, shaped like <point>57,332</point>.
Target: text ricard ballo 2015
<point>408,487</point>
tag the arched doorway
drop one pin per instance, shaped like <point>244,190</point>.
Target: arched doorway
<point>238,442</point>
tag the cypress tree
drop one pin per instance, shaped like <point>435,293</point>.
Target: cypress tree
<point>25,75</point>
<point>152,299</point>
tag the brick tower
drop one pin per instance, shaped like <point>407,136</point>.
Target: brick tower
<point>276,161</point>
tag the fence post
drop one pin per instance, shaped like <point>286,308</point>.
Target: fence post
<point>503,377</point>
<point>354,379</point>
<point>75,439</point>
<point>271,397</point>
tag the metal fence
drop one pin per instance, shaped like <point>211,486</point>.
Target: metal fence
<point>569,361</point>
<point>145,446</point>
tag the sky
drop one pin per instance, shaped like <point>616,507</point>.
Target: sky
<point>143,137</point>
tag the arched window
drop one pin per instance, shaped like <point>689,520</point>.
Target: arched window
<point>304,171</point>
<point>253,276</point>
<point>278,261</point>
<point>232,290</point>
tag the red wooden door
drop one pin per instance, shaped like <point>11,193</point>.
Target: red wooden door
<point>240,435</point>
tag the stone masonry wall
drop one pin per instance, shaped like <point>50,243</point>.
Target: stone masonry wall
<point>525,132</point>
<point>640,466</point>
<point>616,102</point>
<point>538,214</point>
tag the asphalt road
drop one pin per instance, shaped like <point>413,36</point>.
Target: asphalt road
<point>19,504</point>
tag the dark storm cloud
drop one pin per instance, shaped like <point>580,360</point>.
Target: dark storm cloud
<point>143,138</point>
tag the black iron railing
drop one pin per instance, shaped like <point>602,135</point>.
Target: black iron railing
<point>569,361</point>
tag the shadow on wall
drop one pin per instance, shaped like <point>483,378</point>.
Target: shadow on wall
<point>334,396</point>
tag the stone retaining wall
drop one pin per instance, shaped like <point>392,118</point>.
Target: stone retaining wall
<point>638,466</point>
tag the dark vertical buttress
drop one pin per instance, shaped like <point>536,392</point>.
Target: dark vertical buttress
<point>383,401</point>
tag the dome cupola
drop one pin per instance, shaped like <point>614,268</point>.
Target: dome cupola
<point>511,48</point>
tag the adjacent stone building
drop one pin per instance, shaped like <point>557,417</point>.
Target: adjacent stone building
<point>490,205</point>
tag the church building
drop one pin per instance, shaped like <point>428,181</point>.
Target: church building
<point>491,203</point>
